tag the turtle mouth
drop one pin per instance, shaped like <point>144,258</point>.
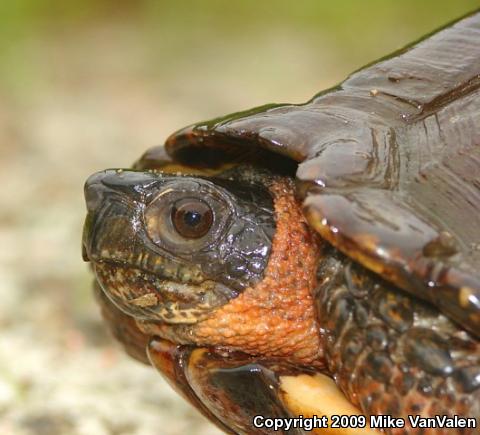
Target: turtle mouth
<point>148,297</point>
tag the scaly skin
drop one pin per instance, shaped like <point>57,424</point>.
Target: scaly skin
<point>392,354</point>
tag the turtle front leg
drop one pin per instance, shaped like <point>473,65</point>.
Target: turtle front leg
<point>243,394</point>
<point>233,390</point>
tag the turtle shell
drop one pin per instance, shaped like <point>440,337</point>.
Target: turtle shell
<point>388,164</point>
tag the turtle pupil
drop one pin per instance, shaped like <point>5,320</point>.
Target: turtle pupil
<point>192,218</point>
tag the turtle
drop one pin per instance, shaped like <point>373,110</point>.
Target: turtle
<point>295,262</point>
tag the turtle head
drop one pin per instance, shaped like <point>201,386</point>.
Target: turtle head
<point>226,260</point>
<point>173,248</point>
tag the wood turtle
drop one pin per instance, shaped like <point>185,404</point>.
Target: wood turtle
<point>310,259</point>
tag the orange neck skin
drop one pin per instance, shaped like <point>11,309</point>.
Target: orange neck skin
<point>276,317</point>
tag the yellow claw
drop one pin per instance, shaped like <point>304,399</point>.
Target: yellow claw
<point>318,395</point>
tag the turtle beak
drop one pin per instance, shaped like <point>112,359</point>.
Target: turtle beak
<point>113,198</point>
<point>93,195</point>
<point>98,191</point>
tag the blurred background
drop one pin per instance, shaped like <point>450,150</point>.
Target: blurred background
<point>86,85</point>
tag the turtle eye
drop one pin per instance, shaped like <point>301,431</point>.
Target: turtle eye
<point>191,218</point>
<point>186,216</point>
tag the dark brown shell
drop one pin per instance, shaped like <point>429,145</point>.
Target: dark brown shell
<point>389,164</point>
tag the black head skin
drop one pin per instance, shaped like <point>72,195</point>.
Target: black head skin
<point>172,248</point>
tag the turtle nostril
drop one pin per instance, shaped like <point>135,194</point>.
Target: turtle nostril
<point>94,188</point>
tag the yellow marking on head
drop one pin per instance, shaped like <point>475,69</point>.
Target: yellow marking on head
<point>144,301</point>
